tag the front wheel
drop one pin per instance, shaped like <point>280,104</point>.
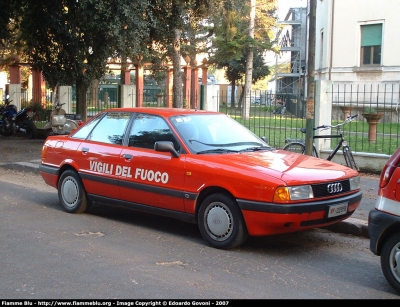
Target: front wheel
<point>71,192</point>
<point>348,157</point>
<point>390,261</point>
<point>31,130</point>
<point>221,222</point>
<point>6,132</point>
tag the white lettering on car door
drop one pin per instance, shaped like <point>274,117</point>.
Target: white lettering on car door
<point>150,175</point>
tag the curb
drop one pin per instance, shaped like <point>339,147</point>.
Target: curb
<point>32,166</point>
<point>351,226</point>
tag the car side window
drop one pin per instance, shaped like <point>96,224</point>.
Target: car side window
<point>111,128</point>
<point>83,132</point>
<point>148,129</point>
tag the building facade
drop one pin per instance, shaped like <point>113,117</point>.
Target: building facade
<point>357,41</point>
<point>291,61</point>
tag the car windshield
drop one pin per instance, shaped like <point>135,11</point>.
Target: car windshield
<point>216,133</point>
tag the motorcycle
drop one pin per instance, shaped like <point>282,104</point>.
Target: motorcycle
<point>13,121</point>
<point>60,122</point>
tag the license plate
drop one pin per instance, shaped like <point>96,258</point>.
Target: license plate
<point>337,210</point>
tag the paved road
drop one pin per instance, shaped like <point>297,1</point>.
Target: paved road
<point>19,153</point>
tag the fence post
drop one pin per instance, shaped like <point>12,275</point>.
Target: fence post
<point>128,96</point>
<point>202,96</point>
<point>65,96</point>
<point>323,112</point>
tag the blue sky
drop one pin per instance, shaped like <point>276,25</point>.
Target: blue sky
<point>285,5</point>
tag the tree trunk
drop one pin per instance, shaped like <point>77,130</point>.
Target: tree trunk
<point>240,102</point>
<point>177,90</point>
<point>81,90</point>
<point>233,86</point>
<point>94,93</point>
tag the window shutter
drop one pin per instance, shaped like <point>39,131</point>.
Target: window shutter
<point>371,35</point>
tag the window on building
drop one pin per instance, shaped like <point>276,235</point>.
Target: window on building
<point>371,44</point>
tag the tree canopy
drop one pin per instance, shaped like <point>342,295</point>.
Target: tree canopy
<point>71,41</point>
<point>232,42</point>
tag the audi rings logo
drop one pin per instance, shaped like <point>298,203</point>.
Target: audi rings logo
<point>334,188</point>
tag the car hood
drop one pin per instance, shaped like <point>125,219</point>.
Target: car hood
<point>287,166</point>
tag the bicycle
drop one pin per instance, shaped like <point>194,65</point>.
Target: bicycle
<point>298,145</point>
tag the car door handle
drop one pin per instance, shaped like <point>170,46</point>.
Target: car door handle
<point>128,156</point>
<point>85,150</point>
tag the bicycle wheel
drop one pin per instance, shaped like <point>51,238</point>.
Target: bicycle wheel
<point>348,157</point>
<point>314,152</point>
<point>295,147</point>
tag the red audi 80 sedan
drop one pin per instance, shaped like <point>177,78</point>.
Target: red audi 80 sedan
<point>198,166</point>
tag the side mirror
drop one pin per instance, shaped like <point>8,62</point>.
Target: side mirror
<point>166,146</point>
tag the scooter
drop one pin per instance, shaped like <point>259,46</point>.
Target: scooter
<point>60,122</point>
<point>13,121</point>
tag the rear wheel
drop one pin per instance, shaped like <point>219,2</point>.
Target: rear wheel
<point>221,222</point>
<point>295,147</point>
<point>31,130</point>
<point>390,261</point>
<point>49,132</point>
<point>71,192</point>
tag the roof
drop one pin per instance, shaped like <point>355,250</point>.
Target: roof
<point>164,111</point>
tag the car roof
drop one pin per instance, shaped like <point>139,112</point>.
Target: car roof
<point>163,111</point>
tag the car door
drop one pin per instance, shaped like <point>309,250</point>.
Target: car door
<point>147,176</point>
<point>98,155</point>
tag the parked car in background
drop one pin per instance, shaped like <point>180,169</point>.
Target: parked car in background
<point>197,166</point>
<point>384,221</point>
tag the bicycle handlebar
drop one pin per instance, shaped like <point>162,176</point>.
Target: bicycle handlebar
<point>324,127</point>
<point>348,119</point>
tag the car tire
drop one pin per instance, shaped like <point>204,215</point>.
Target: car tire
<point>71,192</point>
<point>230,231</point>
<point>390,261</point>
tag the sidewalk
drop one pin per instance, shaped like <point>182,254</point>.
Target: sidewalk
<point>22,154</point>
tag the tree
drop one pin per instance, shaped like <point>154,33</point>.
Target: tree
<point>235,71</point>
<point>9,18</point>
<point>234,40</point>
<point>170,31</point>
<point>71,41</point>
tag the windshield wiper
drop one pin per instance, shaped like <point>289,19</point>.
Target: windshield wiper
<point>227,144</point>
<point>216,150</point>
<point>258,148</point>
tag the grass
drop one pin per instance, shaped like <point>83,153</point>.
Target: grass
<point>277,129</point>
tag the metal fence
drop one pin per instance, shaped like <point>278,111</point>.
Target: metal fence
<point>280,116</point>
<point>267,119</point>
<point>273,116</point>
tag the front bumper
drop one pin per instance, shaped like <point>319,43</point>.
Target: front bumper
<point>379,225</point>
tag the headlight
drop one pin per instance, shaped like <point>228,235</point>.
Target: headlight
<point>354,183</point>
<point>293,193</point>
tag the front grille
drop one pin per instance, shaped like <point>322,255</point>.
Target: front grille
<point>331,188</point>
